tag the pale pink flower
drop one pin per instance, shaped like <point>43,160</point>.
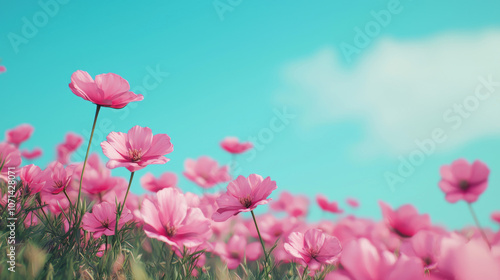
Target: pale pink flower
<point>405,221</point>
<point>102,220</point>
<point>35,153</point>
<point>272,228</point>
<point>108,90</point>
<point>462,180</point>
<point>332,207</point>
<point>313,248</point>
<point>234,146</point>
<point>495,216</point>
<point>71,143</point>
<point>205,172</point>
<point>243,195</point>
<point>19,134</point>
<point>58,178</point>
<point>171,220</point>
<point>166,180</point>
<point>236,250</point>
<point>33,178</point>
<point>354,203</point>
<point>136,149</point>
<point>10,159</point>
<point>294,205</point>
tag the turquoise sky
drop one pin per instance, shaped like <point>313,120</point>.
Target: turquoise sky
<point>221,73</point>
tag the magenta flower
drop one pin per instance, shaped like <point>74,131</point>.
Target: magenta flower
<point>313,248</point>
<point>10,157</point>
<point>243,195</point>
<point>108,90</point>
<point>171,220</point>
<point>58,178</point>
<point>3,69</point>
<point>136,149</point>
<point>405,221</point>
<point>462,180</point>
<point>36,153</point>
<point>19,134</point>
<point>332,207</point>
<point>495,216</point>
<point>205,172</point>
<point>102,220</point>
<point>33,178</point>
<point>166,180</point>
<point>234,146</point>
<point>354,203</point>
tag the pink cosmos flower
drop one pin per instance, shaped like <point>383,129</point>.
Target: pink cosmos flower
<point>462,180</point>
<point>71,143</point>
<point>102,220</point>
<point>19,134</point>
<point>108,90</point>
<point>313,248</point>
<point>332,207</point>
<point>405,221</point>
<point>294,205</point>
<point>205,172</point>
<point>236,250</point>
<point>426,246</point>
<point>354,203</point>
<point>136,149</point>
<point>3,69</point>
<point>166,180</point>
<point>495,216</point>
<point>234,146</point>
<point>243,195</point>
<point>10,157</point>
<point>33,178</point>
<point>36,153</point>
<point>171,220</point>
<point>58,178</point>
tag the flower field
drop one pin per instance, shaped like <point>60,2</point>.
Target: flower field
<point>74,220</point>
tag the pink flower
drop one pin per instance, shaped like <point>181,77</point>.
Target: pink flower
<point>294,205</point>
<point>10,159</point>
<point>495,216</point>
<point>166,180</point>
<point>71,143</point>
<point>332,207</point>
<point>243,195</point>
<point>236,249</point>
<point>3,69</point>
<point>19,134</point>
<point>36,153</point>
<point>58,178</point>
<point>102,220</point>
<point>33,178</point>
<point>136,149</point>
<point>234,146</point>
<point>108,90</point>
<point>426,246</point>
<point>354,203</point>
<point>313,248</point>
<point>205,172</point>
<point>462,180</point>
<point>171,220</point>
<point>405,221</point>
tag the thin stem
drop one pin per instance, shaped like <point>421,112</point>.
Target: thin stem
<point>120,207</point>
<point>86,157</point>
<point>478,225</point>
<point>261,242</point>
<point>69,200</point>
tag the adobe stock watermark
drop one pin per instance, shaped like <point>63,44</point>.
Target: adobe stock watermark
<point>363,36</point>
<point>11,219</point>
<point>31,26</point>
<point>223,6</point>
<point>150,82</point>
<point>280,120</point>
<point>454,116</point>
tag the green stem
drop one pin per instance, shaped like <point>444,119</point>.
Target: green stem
<point>478,225</point>
<point>261,243</point>
<point>122,206</point>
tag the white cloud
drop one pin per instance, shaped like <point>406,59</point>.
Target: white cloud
<point>401,89</point>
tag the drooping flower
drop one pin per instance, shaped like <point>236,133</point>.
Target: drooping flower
<point>10,159</point>
<point>205,172</point>
<point>19,134</point>
<point>461,180</point>
<point>354,203</point>
<point>71,143</point>
<point>136,149</point>
<point>405,221</point>
<point>33,178</point>
<point>35,153</point>
<point>58,178</point>
<point>171,220</point>
<point>294,205</point>
<point>313,248</point>
<point>102,220</point>
<point>243,195</point>
<point>332,207</point>
<point>108,90</point>
<point>166,180</point>
<point>234,146</point>
<point>236,250</point>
